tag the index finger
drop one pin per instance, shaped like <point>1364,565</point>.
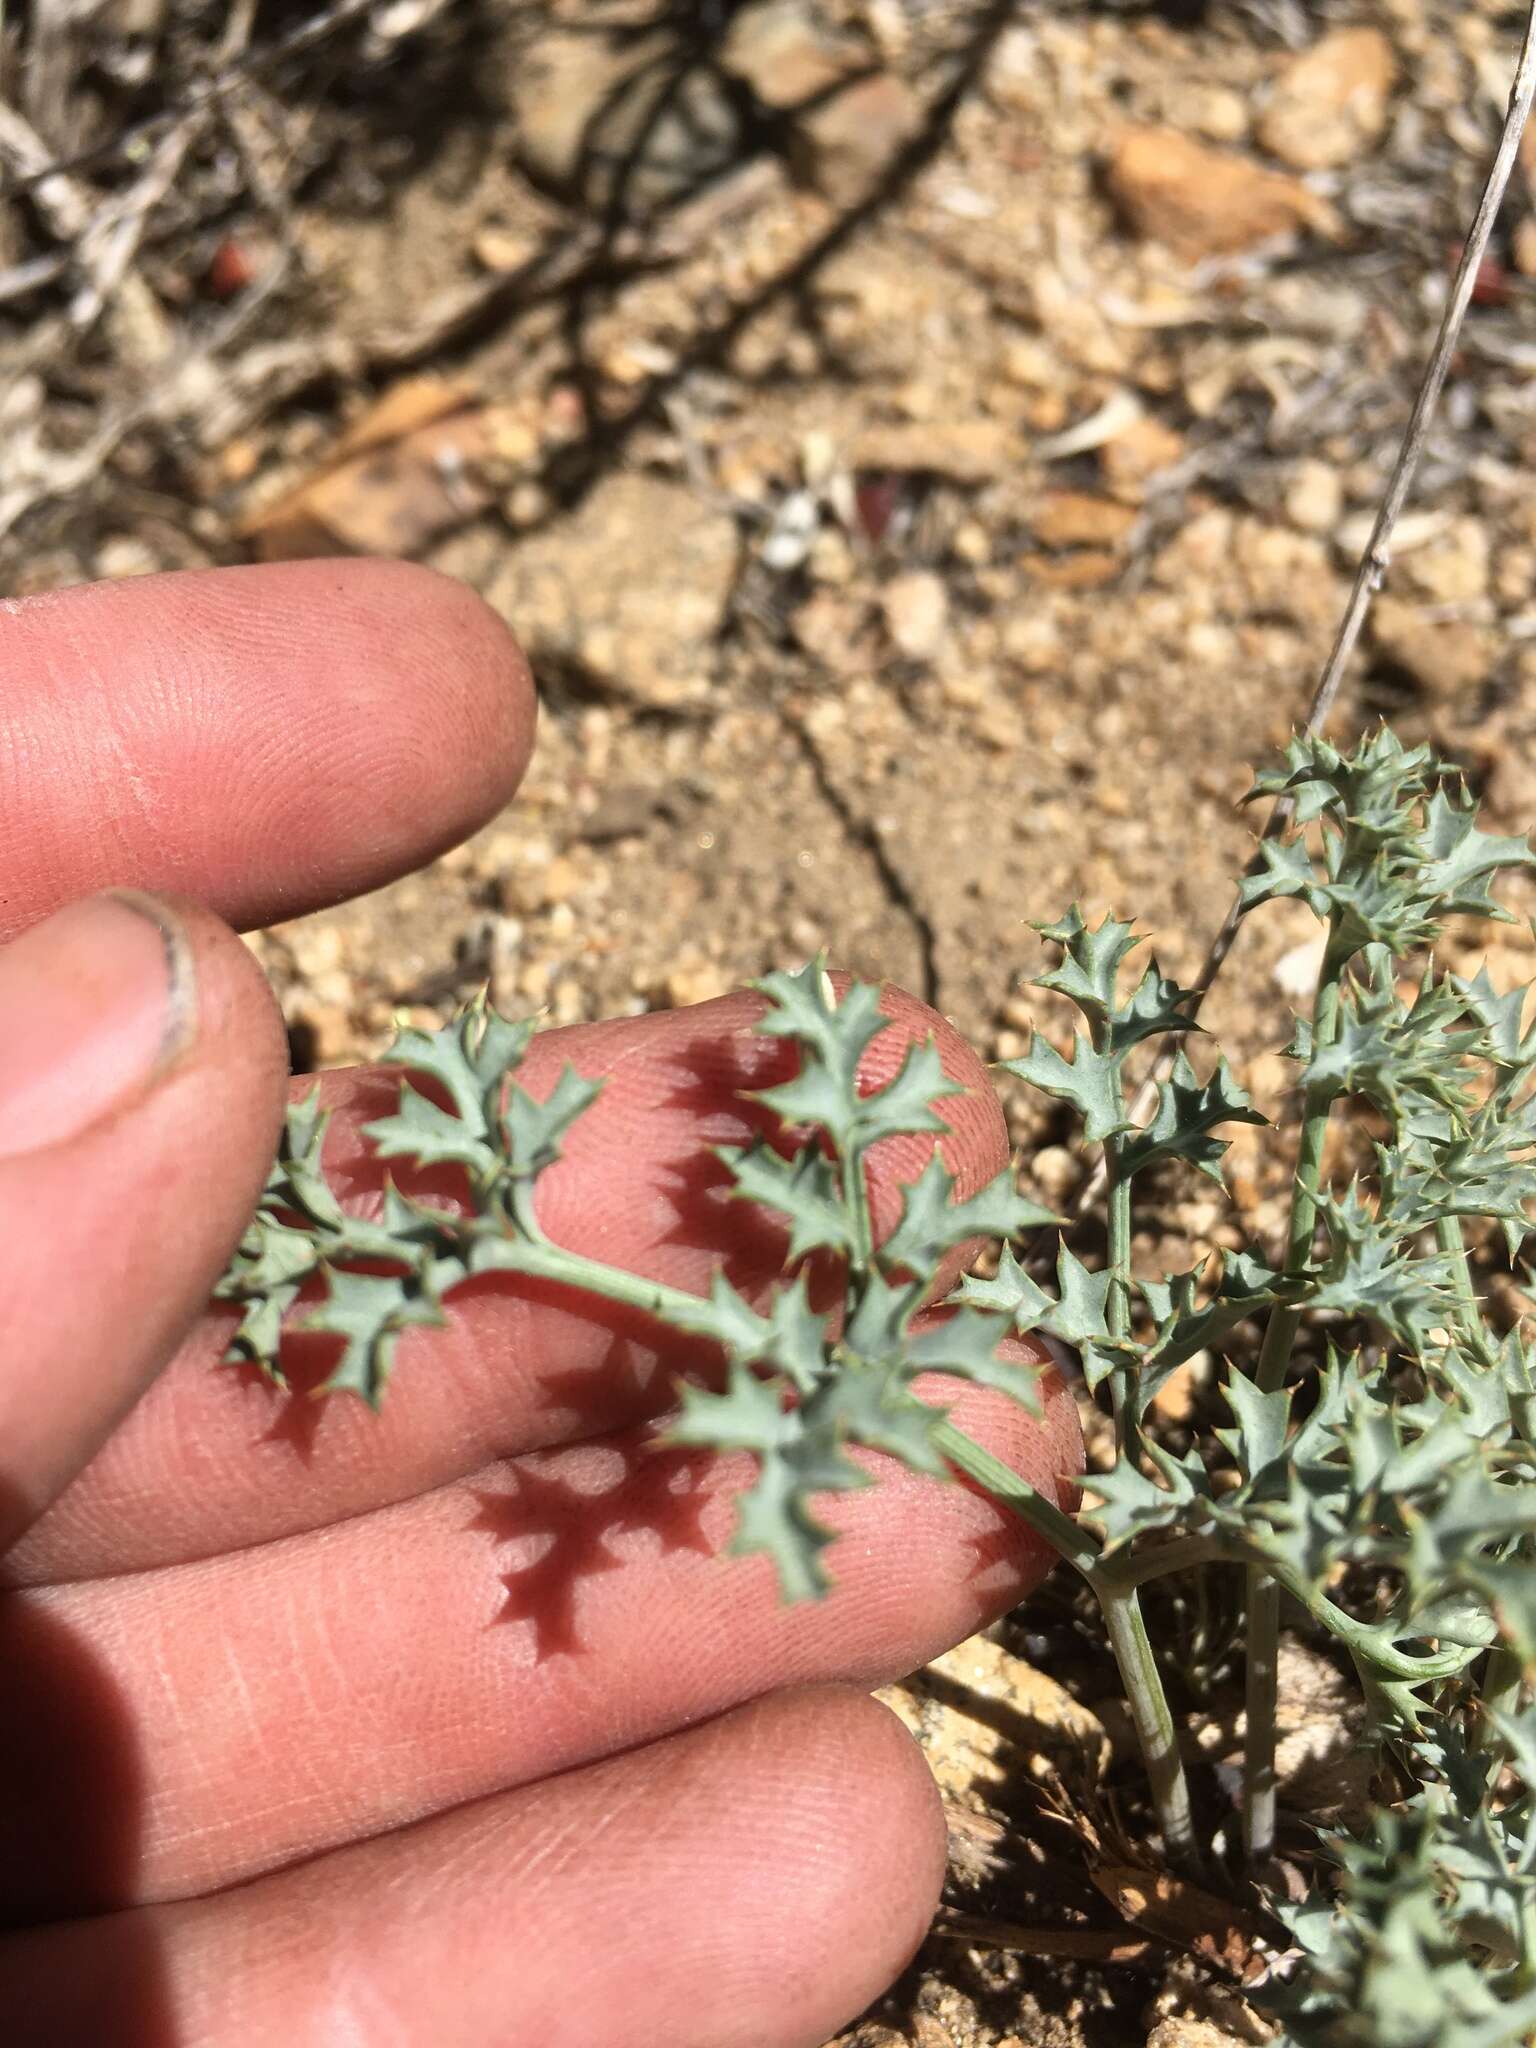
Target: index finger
<point>211,1461</point>
<point>265,740</point>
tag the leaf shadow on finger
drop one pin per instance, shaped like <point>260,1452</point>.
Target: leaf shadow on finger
<point>569,1532</point>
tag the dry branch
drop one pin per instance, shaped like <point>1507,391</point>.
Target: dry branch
<point>1376,559</point>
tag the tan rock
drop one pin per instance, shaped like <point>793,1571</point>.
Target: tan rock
<point>1079,519</point>
<point>408,470</point>
<point>1198,202</point>
<point>1179,2032</point>
<point>916,610</point>
<point>1029,361</point>
<point>1330,103</point>
<point>525,890</point>
<point>968,451</point>
<point>846,144</point>
<point>1451,569</point>
<point>1447,658</point>
<point>696,982</point>
<point>830,626</point>
<point>1141,452</point>
<point>503,250</point>
<point>1314,497</point>
<point>781,55</point>
<point>1054,1732</point>
<point>611,117</point>
<point>1083,569</point>
<point>1032,641</point>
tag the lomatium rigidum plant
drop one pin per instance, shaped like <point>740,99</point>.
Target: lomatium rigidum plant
<point>1385,1475</point>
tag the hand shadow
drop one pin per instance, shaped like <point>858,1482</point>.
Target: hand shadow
<point>72,1970</point>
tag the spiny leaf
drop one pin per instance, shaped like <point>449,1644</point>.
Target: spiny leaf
<point>535,1130</point>
<point>834,1038</point>
<point>1286,870</point>
<point>1500,1017</point>
<point>1133,1504</point>
<point>797,1458</point>
<point>933,1223</point>
<point>965,1343</point>
<point>1091,960</point>
<point>1400,1056</point>
<point>1187,1111</point>
<point>1090,1081</point>
<point>791,1337</point>
<point>369,1312</point>
<point>871,1406</point>
<point>805,1189</point>
<point>1261,1426</point>
<point>422,1131</point>
<point>1010,1292</point>
<point>1077,1315</point>
<point>1156,1006</point>
<point>1246,1284</point>
<point>1459,860</point>
<point>1368,1272</point>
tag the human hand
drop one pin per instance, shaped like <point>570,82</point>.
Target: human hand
<point>444,1724</point>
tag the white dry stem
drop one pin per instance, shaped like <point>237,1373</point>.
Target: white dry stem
<point>1376,559</point>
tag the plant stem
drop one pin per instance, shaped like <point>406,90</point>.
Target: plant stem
<point>1065,1536</point>
<point>1121,1605</point>
<point>1119,1302</point>
<point>1263,1592</point>
<point>1153,1723</point>
<point>1371,571</point>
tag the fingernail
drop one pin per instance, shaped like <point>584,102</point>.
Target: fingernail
<point>95,1003</point>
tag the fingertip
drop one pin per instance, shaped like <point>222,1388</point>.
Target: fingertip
<point>484,682</point>
<point>862,1832</point>
<point>436,697</point>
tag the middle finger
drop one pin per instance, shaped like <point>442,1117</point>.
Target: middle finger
<point>212,1460</point>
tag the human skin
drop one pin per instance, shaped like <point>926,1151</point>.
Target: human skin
<point>447,1723</point>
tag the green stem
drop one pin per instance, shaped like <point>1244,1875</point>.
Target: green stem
<point>688,1314</point>
<point>1153,1722</point>
<point>1161,1560</point>
<point>1221,1546</point>
<point>1263,1593</point>
<point>856,1188</point>
<point>1119,1302</point>
<point>1067,1537</point>
<point>1275,1355</point>
<point>1121,1604</point>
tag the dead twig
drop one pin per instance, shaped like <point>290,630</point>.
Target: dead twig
<point>1376,559</point>
<point>1084,1944</point>
<point>53,57</point>
<point>110,245</point>
<point>31,176</point>
<point>137,322</point>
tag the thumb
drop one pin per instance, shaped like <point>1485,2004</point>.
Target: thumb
<point>142,1072</point>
